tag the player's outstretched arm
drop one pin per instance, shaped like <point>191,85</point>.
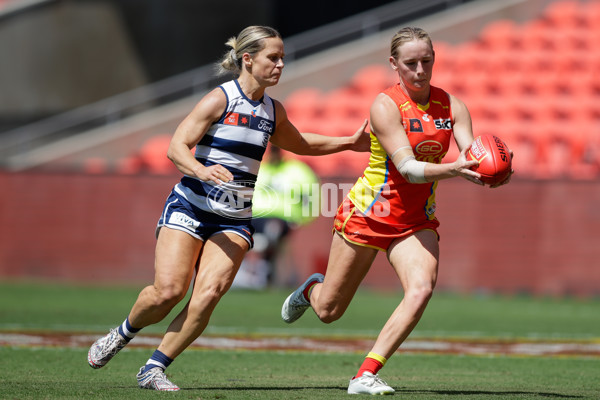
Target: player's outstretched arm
<point>386,123</point>
<point>288,137</point>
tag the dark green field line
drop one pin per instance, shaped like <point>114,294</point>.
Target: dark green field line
<point>582,348</point>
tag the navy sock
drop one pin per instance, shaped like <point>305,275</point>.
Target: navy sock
<point>158,359</point>
<point>127,331</point>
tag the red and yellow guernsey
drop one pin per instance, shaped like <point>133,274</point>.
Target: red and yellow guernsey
<point>381,193</point>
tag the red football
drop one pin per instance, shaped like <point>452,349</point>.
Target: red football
<point>493,156</point>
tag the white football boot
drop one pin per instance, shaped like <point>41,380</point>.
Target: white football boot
<point>295,304</point>
<point>369,384</point>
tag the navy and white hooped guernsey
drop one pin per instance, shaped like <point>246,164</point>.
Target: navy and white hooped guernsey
<point>238,142</point>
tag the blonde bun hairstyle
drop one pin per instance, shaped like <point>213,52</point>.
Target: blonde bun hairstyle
<point>251,41</point>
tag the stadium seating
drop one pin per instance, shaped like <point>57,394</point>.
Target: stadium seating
<point>535,84</point>
<point>153,156</point>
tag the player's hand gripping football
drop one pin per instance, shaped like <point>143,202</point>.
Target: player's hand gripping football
<point>462,167</point>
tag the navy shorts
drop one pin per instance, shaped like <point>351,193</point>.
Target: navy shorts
<point>179,214</point>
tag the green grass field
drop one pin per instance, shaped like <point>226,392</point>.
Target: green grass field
<point>41,372</point>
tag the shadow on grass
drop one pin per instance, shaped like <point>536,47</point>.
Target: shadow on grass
<point>499,394</point>
<point>269,388</point>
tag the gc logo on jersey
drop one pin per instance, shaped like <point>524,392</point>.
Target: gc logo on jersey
<point>429,148</point>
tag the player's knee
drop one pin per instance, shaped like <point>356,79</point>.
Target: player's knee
<point>330,313</point>
<point>170,295</point>
<point>207,298</point>
<point>420,295</point>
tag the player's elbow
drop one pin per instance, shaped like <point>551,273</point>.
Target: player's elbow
<point>171,153</point>
<point>412,170</point>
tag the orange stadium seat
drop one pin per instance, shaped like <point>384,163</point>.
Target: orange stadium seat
<point>534,84</point>
<point>591,12</point>
<point>369,81</point>
<point>565,13</point>
<point>475,107</point>
<point>443,78</point>
<point>469,57</point>
<point>516,84</point>
<point>529,153</point>
<point>572,39</point>
<point>516,106</point>
<point>307,123</point>
<point>346,103</point>
<point>130,165</point>
<point>561,151</point>
<point>490,107</point>
<point>153,155</point>
<point>339,126</point>
<point>533,63</point>
<point>537,35</point>
<point>444,57</point>
<point>500,35</point>
<point>480,82</point>
<point>483,126</point>
<point>304,103</point>
<point>503,61</point>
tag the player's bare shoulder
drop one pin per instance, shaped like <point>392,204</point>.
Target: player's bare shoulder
<point>213,103</point>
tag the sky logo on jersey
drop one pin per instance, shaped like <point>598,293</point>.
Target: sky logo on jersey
<point>443,123</point>
<point>414,125</point>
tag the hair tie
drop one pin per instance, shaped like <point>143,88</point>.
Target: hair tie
<point>232,55</point>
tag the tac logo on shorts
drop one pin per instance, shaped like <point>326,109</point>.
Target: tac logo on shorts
<point>414,125</point>
<point>181,219</point>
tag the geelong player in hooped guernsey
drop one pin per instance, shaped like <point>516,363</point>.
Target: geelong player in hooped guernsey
<point>382,193</point>
<point>236,141</point>
<point>205,228</point>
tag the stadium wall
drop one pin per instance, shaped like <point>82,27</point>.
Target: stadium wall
<point>63,55</point>
<point>533,237</point>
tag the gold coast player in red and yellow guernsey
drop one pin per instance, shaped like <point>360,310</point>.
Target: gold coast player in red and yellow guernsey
<point>391,207</point>
<point>382,194</point>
